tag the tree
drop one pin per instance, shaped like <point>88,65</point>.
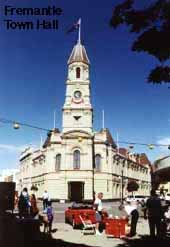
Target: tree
<point>132,186</point>
<point>152,26</point>
<point>34,188</point>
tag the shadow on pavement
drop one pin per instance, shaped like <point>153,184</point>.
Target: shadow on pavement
<point>146,241</point>
<point>26,233</point>
<point>43,240</point>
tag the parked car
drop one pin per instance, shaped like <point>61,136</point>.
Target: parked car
<point>72,215</point>
<point>135,198</point>
<point>167,197</point>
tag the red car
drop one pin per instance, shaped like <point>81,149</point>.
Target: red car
<point>87,213</point>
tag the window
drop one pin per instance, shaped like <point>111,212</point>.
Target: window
<point>58,162</point>
<point>98,162</point>
<point>107,185</point>
<point>78,72</point>
<point>76,159</point>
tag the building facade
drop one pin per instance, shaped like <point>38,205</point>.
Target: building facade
<point>9,175</point>
<point>161,172</point>
<point>77,161</point>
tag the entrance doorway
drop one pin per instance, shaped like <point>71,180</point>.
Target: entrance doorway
<point>76,191</point>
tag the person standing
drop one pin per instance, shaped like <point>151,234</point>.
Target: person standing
<point>98,207</point>
<point>24,203</point>
<point>143,206</point>
<point>131,210</point>
<point>167,217</point>
<point>45,199</point>
<point>50,217</point>
<point>33,209</point>
<point>16,199</point>
<point>154,213</point>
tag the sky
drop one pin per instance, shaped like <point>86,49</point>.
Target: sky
<point>33,71</point>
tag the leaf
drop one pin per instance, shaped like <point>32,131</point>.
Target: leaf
<point>154,42</point>
<point>153,26</point>
<point>116,21</point>
<point>118,13</point>
<point>160,74</point>
<point>132,186</point>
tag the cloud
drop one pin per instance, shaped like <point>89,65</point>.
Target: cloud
<point>164,141</point>
<point>12,148</point>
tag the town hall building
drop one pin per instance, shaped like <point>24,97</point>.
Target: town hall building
<point>77,162</point>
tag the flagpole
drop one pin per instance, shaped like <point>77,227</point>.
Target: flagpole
<point>103,118</point>
<point>54,119</point>
<point>117,140</point>
<point>79,34</point>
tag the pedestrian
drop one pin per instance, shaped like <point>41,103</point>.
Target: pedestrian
<point>154,213</point>
<point>45,199</point>
<point>143,206</point>
<point>50,217</point>
<point>167,217</point>
<point>16,199</point>
<point>33,208</point>
<point>132,212</point>
<point>99,208</point>
<point>24,203</point>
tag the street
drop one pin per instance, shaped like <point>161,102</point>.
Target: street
<point>59,209</point>
<point>63,235</point>
<point>67,233</point>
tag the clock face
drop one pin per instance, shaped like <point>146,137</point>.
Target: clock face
<point>77,94</point>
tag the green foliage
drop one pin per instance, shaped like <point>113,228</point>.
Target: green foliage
<point>132,186</point>
<point>152,26</point>
<point>160,73</point>
<point>34,188</point>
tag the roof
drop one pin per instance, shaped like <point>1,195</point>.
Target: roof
<point>48,142</point>
<point>78,54</point>
<point>123,151</point>
<point>141,159</point>
<point>109,140</point>
<point>144,159</point>
<point>39,156</point>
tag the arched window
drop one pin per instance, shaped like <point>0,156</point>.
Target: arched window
<point>76,159</point>
<point>98,162</point>
<point>58,162</point>
<point>77,72</point>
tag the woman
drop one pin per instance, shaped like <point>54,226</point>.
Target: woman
<point>16,199</point>
<point>33,209</point>
<point>49,218</point>
<point>23,204</point>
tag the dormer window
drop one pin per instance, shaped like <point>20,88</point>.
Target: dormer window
<point>77,72</point>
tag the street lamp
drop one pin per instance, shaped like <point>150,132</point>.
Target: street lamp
<point>93,167</point>
<point>122,181</point>
<point>122,185</point>
<point>16,126</point>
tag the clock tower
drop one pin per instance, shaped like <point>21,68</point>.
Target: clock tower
<point>77,109</point>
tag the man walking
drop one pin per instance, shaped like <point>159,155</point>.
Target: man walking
<point>154,213</point>
<point>45,199</point>
<point>131,210</point>
<point>98,207</point>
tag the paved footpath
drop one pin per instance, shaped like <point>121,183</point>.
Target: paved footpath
<point>66,233</point>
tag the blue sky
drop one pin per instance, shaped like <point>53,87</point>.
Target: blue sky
<point>33,69</point>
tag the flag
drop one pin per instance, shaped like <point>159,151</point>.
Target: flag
<point>74,27</point>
